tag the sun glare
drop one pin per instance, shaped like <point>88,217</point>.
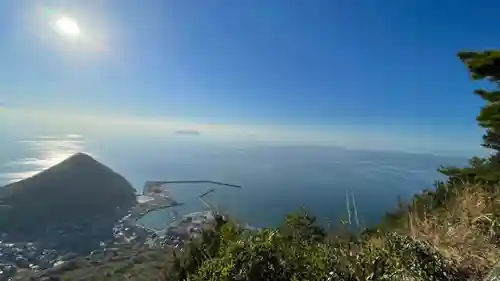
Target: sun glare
<point>67,26</point>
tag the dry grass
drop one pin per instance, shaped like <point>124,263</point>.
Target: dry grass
<point>461,231</point>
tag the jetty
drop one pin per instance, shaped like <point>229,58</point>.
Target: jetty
<point>156,196</point>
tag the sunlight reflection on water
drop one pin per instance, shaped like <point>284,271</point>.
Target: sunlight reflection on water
<point>40,154</point>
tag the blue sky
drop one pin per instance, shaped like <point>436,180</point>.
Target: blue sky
<point>362,68</point>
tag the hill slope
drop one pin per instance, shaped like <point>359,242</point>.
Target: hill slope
<point>79,195</point>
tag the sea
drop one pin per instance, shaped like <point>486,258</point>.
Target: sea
<point>275,179</point>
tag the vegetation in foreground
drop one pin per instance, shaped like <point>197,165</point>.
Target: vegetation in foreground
<point>450,233</point>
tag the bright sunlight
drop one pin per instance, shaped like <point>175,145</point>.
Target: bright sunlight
<point>68,27</point>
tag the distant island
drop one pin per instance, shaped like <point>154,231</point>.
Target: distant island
<point>188,132</point>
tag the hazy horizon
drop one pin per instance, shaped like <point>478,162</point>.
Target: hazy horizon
<point>281,73</point>
<point>276,179</point>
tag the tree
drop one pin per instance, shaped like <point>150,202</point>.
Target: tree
<point>483,66</point>
<point>302,227</point>
<point>486,65</point>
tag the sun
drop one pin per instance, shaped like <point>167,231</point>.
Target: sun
<point>67,27</point>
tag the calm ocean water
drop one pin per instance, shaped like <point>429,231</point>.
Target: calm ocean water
<point>276,180</point>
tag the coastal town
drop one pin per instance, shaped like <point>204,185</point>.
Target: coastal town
<point>20,259</point>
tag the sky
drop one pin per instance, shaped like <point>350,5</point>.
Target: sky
<point>351,73</point>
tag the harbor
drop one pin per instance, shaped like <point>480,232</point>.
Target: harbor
<point>155,196</point>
